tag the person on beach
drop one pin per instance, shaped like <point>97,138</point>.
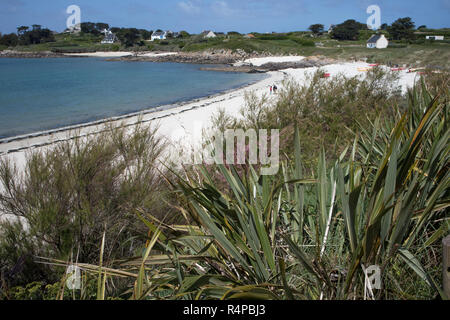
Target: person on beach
<point>275,88</point>
<point>270,88</point>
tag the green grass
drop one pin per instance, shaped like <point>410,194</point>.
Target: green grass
<point>437,55</point>
<point>427,54</point>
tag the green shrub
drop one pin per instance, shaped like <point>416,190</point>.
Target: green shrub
<point>273,37</point>
<point>72,193</point>
<point>304,42</point>
<point>324,110</point>
<point>397,45</point>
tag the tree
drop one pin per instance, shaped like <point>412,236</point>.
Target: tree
<point>422,27</point>
<point>115,30</point>
<point>9,40</point>
<point>89,27</point>
<point>402,28</point>
<point>349,30</point>
<point>384,26</point>
<point>128,36</point>
<point>184,34</point>
<point>145,34</point>
<point>100,26</point>
<point>36,27</point>
<point>36,36</point>
<point>317,29</point>
<point>22,29</point>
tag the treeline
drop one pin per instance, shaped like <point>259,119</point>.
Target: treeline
<point>401,29</point>
<point>127,36</point>
<point>26,36</point>
<point>132,36</point>
<point>36,34</point>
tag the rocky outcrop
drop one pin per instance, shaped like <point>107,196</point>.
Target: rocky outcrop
<point>20,54</point>
<point>194,58</point>
<point>224,57</point>
<point>228,58</point>
<point>244,69</point>
<point>274,66</point>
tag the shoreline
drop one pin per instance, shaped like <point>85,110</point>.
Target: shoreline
<point>179,122</point>
<point>16,144</point>
<point>148,111</point>
<point>263,65</point>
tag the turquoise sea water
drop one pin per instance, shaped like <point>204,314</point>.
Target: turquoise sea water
<point>44,94</point>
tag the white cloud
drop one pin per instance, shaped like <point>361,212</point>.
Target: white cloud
<point>189,7</point>
<point>222,8</point>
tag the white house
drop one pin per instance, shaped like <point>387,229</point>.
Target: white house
<point>159,35</point>
<point>209,34</point>
<point>377,41</point>
<point>435,38</point>
<point>110,37</point>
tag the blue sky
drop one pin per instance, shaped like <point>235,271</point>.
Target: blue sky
<point>219,15</point>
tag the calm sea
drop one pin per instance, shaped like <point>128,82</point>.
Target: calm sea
<point>44,94</point>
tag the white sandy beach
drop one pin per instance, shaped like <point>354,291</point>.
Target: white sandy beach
<point>99,54</point>
<point>257,62</point>
<point>179,124</point>
<point>119,54</point>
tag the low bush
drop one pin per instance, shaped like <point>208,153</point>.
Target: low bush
<point>304,42</point>
<point>71,194</point>
<point>326,111</point>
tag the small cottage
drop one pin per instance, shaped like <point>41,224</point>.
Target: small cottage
<point>159,35</point>
<point>209,34</point>
<point>109,38</point>
<point>377,41</point>
<point>440,38</point>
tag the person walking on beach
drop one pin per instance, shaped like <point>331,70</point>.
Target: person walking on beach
<point>270,88</point>
<point>275,88</point>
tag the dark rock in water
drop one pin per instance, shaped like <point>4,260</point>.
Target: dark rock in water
<point>272,66</point>
<point>256,71</point>
<point>227,59</point>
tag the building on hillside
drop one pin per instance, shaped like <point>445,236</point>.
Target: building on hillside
<point>209,34</point>
<point>249,36</point>
<point>109,38</point>
<point>440,38</point>
<point>377,41</point>
<point>159,35</point>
